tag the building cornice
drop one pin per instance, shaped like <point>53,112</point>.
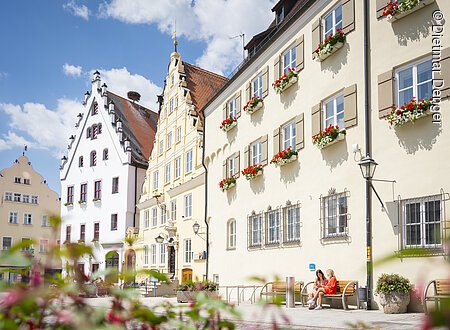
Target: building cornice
<point>188,185</point>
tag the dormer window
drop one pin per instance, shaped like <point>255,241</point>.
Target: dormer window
<point>280,15</point>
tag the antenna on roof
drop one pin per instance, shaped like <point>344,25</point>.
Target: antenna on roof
<point>242,36</point>
<point>174,36</point>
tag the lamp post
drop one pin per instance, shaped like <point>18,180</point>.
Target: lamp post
<point>368,166</point>
<point>159,239</point>
<point>196,227</point>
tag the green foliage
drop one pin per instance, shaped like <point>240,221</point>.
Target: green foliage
<point>388,283</point>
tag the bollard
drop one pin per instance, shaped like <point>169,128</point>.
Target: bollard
<point>290,292</point>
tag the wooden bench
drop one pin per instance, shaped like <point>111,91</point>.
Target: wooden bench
<point>344,290</point>
<point>441,291</point>
<point>278,289</point>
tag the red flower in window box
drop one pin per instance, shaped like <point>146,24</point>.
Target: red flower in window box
<point>252,171</point>
<point>227,183</point>
<point>330,44</point>
<point>284,156</point>
<point>327,136</point>
<point>228,123</point>
<point>285,81</point>
<point>254,104</point>
<point>391,9</point>
<point>409,112</point>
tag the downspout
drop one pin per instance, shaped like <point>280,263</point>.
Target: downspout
<point>206,193</point>
<point>135,196</point>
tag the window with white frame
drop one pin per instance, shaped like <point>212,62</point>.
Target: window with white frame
<point>173,210</point>
<point>177,167</point>
<point>161,147</point>
<point>27,181</point>
<point>333,111</point>
<point>93,158</point>
<point>188,253</point>
<point>178,134</point>
<point>257,86</point>
<point>80,161</point>
<point>232,107</point>
<point>154,216</point>
<point>162,254</point>
<point>163,214</point>
<point>289,59</point>
<point>27,219</point>
<point>105,154</point>
<point>115,185</point>
<point>231,231</point>
<point>169,140</point>
<point>231,166</point>
<point>25,198</point>
<point>189,154</point>
<point>332,21</point>
<point>17,179</point>
<point>171,105</point>
<point>34,199</point>
<point>114,221</point>
<point>273,226</point>
<point>292,223</point>
<point>146,218</point>
<point>422,222</point>
<point>45,221</point>
<point>256,222</point>
<point>97,190</point>
<point>69,199</point>
<point>83,192</point>
<point>145,254</point>
<point>13,218</point>
<point>335,215</point>
<point>153,253</point>
<point>155,180</point>
<point>289,134</point>
<point>256,153</point>
<point>6,243</point>
<point>414,81</point>
<point>8,196</point>
<point>167,173</point>
<point>43,245</point>
<point>17,197</point>
<point>188,205</point>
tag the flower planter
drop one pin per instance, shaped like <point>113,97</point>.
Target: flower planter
<point>394,302</point>
<point>229,127</point>
<point>231,185</point>
<point>285,81</point>
<point>291,82</point>
<point>186,296</point>
<point>340,137</point>
<point>283,162</point>
<point>253,177</point>
<point>422,3</point>
<point>333,49</point>
<point>255,108</point>
<point>68,204</point>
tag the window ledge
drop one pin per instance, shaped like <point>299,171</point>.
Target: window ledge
<point>420,252</point>
<point>420,5</point>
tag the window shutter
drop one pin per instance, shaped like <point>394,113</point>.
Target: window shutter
<point>247,92</point>
<point>316,119</point>
<point>381,4</point>
<point>224,111</point>
<point>315,37</point>
<point>385,93</point>
<point>237,157</point>
<point>300,53</point>
<point>445,73</point>
<point>225,172</point>
<point>265,81</point>
<point>300,131</point>
<point>264,150</point>
<point>276,141</point>
<point>348,16</point>
<point>350,107</point>
<point>238,104</point>
<point>277,68</point>
<point>246,156</point>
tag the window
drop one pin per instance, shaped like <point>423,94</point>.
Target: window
<point>172,79</point>
<point>83,192</point>
<point>188,253</point>
<point>95,108</point>
<point>332,21</point>
<point>333,112</point>
<point>80,161</point>
<point>422,222</point>
<point>155,180</point>
<point>7,242</point>
<point>231,107</point>
<point>273,224</point>
<point>177,167</point>
<point>146,218</point>
<point>153,252</point>
<point>88,133</point>
<point>83,233</point>
<point>173,210</point>
<point>8,196</point>
<point>414,81</point>
<point>25,198</point>
<point>115,185</point>
<point>256,153</point>
<point>145,254</point>
<point>69,195</point>
<point>17,180</point>
<point>17,197</point>
<point>99,128</point>
<point>167,173</point>
<point>289,59</point>
<point>45,221</point>
<point>97,190</point>
<point>43,245</point>
<point>34,199</point>
<point>163,214</point>
<point>256,222</point>
<point>189,161</point>
<point>13,218</point>
<point>94,131</point>
<point>178,133</point>
<point>68,233</point>
<point>257,86</point>
<point>154,217</point>
<point>105,154</point>
<point>171,105</point>
<point>161,147</point>
<point>231,234</point>
<point>114,221</point>
<point>96,231</point>
<point>93,158</point>
<point>289,135</point>
<point>27,219</point>
<point>231,167</point>
<point>292,223</point>
<point>162,253</point>
<point>169,140</point>
<point>335,217</point>
<point>28,243</point>
<point>26,181</point>
<point>188,206</point>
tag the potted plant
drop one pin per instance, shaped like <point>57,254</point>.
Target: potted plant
<point>330,45</point>
<point>394,291</point>
<point>254,105</point>
<point>329,136</point>
<point>285,81</point>
<point>409,112</point>
<point>252,171</point>
<point>227,183</point>
<point>188,291</point>
<point>284,157</point>
<point>228,123</point>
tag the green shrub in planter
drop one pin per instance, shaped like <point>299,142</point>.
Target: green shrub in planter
<point>394,293</point>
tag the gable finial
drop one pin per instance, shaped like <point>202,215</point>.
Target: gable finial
<point>174,36</point>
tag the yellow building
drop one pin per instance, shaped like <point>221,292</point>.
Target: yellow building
<point>25,208</point>
<point>172,199</point>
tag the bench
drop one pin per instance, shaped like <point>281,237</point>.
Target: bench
<point>344,290</point>
<point>278,289</point>
<point>441,291</point>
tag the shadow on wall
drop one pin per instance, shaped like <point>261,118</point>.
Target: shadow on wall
<point>289,95</point>
<point>258,184</point>
<point>418,136</point>
<point>231,194</point>
<point>392,212</point>
<point>256,117</point>
<point>231,134</point>
<point>335,155</point>
<point>336,61</point>
<point>289,172</point>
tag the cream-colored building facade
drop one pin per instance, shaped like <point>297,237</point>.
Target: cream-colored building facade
<point>27,203</point>
<point>172,198</point>
<point>310,213</point>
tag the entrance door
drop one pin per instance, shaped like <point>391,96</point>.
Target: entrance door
<point>171,254</point>
<point>186,275</point>
<point>112,261</point>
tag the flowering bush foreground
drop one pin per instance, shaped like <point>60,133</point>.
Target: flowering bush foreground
<point>281,83</point>
<point>393,8</point>
<point>408,112</point>
<point>327,136</point>
<point>326,47</point>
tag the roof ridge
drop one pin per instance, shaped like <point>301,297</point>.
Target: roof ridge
<point>206,71</point>
<point>126,99</point>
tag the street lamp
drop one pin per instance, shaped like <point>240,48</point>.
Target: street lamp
<point>367,166</point>
<point>196,227</point>
<point>159,239</point>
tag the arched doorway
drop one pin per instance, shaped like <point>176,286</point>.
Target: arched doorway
<point>112,261</point>
<point>130,266</point>
<point>186,275</point>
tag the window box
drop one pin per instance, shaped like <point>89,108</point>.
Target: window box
<point>252,171</point>
<point>227,183</point>
<point>330,45</point>
<point>228,124</point>
<point>82,202</point>
<point>409,112</point>
<point>68,204</point>
<point>254,105</point>
<point>395,11</point>
<point>97,200</point>
<point>331,135</point>
<point>284,157</point>
<point>285,81</point>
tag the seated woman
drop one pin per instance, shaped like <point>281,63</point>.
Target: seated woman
<point>318,283</point>
<point>329,288</point>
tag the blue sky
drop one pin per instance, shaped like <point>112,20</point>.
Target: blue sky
<point>49,47</point>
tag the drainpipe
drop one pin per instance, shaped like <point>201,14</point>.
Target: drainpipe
<point>206,193</point>
<point>368,148</point>
<point>135,196</point>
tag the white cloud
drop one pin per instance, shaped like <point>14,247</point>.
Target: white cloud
<point>77,10</point>
<point>199,21</point>
<point>72,70</point>
<point>3,75</point>
<point>120,81</point>
<point>12,140</point>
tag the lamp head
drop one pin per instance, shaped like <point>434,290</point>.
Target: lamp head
<point>367,166</point>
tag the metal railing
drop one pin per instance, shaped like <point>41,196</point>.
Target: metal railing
<point>240,293</point>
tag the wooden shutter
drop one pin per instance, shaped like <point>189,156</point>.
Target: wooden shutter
<point>300,131</point>
<point>350,107</point>
<point>381,4</point>
<point>248,92</point>
<point>277,68</point>
<point>316,36</point>
<point>316,119</point>
<point>237,164</point>
<point>300,53</point>
<point>264,150</point>
<point>385,93</point>
<point>276,141</point>
<point>238,104</point>
<point>246,156</point>
<point>348,16</point>
<point>265,81</point>
<point>224,169</point>
<point>224,111</point>
<point>445,73</point>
